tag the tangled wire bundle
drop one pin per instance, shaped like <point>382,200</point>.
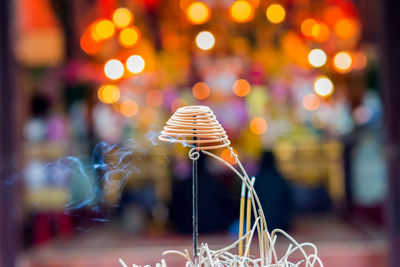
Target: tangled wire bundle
<point>197,127</point>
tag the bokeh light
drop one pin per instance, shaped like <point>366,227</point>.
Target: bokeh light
<point>108,93</point>
<point>201,90</point>
<point>104,29</point>
<point>154,98</point>
<point>311,102</point>
<point>320,31</point>
<point>345,28</point>
<point>114,69</point>
<point>360,60</point>
<point>323,86</point>
<point>89,45</point>
<point>128,37</point>
<point>317,58</point>
<point>342,61</point>
<point>205,40</point>
<point>128,108</point>
<point>307,27</point>
<point>198,13</point>
<point>241,87</point>
<point>135,64</point>
<point>122,17</point>
<point>148,116</point>
<point>276,13</point>
<point>177,103</point>
<point>226,155</point>
<point>241,11</point>
<point>258,126</point>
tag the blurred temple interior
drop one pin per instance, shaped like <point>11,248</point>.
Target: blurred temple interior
<point>307,92</point>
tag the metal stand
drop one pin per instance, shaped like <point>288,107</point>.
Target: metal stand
<point>195,206</point>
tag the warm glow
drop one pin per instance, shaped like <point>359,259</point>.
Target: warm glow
<point>104,29</point>
<point>135,64</point>
<point>226,155</point>
<point>320,32</point>
<point>258,126</point>
<point>311,102</point>
<point>323,86</point>
<point>242,11</point>
<point>275,13</point>
<point>307,27</point>
<point>317,58</point>
<point>113,69</point>
<point>148,116</point>
<point>241,87</point>
<point>122,17</point>
<point>128,37</point>
<point>360,60</point>
<point>128,108</point>
<point>177,103</point>
<point>201,90</point>
<point>89,45</point>
<point>332,14</point>
<point>345,28</point>
<point>198,13</point>
<point>154,98</point>
<point>205,40</point>
<point>342,62</point>
<point>108,94</point>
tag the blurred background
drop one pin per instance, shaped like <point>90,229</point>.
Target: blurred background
<point>299,86</point>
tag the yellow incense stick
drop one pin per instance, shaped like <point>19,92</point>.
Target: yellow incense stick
<point>248,213</point>
<point>241,217</point>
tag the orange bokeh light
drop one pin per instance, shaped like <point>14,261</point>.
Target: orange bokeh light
<point>241,11</point>
<point>103,29</point>
<point>307,27</point>
<point>108,93</point>
<point>320,31</point>
<point>345,28</point>
<point>89,45</point>
<point>154,98</point>
<point>241,87</point>
<point>177,103</point>
<point>201,90</point>
<point>128,37</point>
<point>148,116</point>
<point>198,13</point>
<point>128,108</point>
<point>311,102</point>
<point>258,126</point>
<point>227,156</point>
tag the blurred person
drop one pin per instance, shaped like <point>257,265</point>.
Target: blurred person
<point>275,194</point>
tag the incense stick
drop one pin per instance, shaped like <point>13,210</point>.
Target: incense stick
<point>241,217</point>
<point>248,213</point>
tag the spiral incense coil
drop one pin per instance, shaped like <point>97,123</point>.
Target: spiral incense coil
<point>195,126</point>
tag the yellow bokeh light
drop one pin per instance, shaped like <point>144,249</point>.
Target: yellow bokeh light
<point>320,32</point>
<point>342,61</point>
<point>345,28</point>
<point>128,37</point>
<point>104,29</point>
<point>154,98</point>
<point>198,13</point>
<point>275,13</point>
<point>114,69</point>
<point>205,40</point>
<point>311,102</point>
<point>307,27</point>
<point>122,17</point>
<point>258,126</point>
<point>108,93</point>
<point>242,11</point>
<point>241,87</point>
<point>201,90</point>
<point>317,58</point>
<point>128,108</point>
<point>323,86</point>
<point>135,64</point>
